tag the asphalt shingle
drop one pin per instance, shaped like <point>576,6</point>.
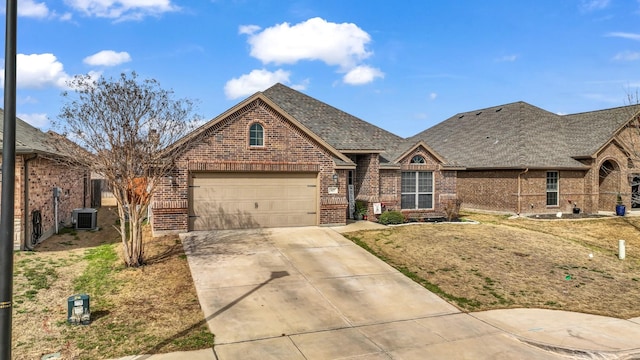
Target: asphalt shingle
<point>520,135</point>
<point>31,140</point>
<point>341,130</point>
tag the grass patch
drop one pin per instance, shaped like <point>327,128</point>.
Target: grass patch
<point>148,310</point>
<point>98,278</point>
<point>504,262</point>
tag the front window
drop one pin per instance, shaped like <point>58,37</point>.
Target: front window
<point>552,188</point>
<point>417,190</point>
<point>256,135</point>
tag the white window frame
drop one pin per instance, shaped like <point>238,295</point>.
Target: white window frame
<point>553,187</point>
<point>416,193</point>
<point>252,137</point>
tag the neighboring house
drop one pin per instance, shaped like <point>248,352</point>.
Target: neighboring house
<point>40,168</point>
<point>523,159</point>
<point>282,158</point>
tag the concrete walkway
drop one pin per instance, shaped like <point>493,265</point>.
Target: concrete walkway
<point>308,293</point>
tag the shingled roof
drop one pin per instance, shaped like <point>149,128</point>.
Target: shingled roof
<point>520,135</point>
<point>589,131</point>
<point>30,140</point>
<point>341,130</point>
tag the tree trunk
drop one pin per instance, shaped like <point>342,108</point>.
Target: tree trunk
<point>132,244</point>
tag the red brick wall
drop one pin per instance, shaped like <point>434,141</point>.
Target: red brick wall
<point>488,190</point>
<point>43,174</point>
<point>497,190</point>
<point>390,189</point>
<point>225,147</point>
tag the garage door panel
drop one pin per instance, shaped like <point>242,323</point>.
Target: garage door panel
<point>249,200</point>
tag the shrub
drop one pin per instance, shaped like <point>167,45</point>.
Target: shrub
<point>391,217</point>
<point>452,208</point>
<point>361,207</point>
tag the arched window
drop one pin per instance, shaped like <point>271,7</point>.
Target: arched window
<point>256,135</point>
<point>418,159</point>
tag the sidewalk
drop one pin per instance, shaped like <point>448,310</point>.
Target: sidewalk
<point>562,333</point>
<point>568,332</point>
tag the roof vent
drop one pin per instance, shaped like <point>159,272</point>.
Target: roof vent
<point>498,110</point>
<point>461,116</point>
<point>479,113</point>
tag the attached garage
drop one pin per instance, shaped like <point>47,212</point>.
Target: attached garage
<point>221,200</point>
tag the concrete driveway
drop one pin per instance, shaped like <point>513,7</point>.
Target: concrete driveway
<point>308,293</point>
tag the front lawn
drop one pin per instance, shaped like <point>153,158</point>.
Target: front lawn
<point>147,310</point>
<point>507,263</point>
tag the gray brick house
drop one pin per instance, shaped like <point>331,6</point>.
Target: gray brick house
<point>282,158</point>
<point>39,170</point>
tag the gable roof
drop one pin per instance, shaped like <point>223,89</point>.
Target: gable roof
<point>30,140</point>
<point>590,131</point>
<point>516,135</point>
<point>343,131</point>
<point>339,159</point>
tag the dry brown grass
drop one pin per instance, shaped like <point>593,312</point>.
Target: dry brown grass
<point>508,263</point>
<point>151,309</point>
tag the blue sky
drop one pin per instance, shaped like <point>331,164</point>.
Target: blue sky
<point>401,65</point>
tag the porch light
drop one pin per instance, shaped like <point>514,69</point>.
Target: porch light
<point>335,178</point>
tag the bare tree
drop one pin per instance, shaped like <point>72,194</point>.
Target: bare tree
<point>125,124</point>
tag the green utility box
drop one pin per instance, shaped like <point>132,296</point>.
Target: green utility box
<point>78,310</point>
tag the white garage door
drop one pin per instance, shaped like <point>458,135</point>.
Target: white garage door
<point>252,200</point>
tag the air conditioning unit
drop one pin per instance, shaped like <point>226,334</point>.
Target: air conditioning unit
<point>84,219</point>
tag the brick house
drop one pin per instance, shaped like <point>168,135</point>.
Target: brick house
<point>38,171</point>
<point>522,159</point>
<point>282,158</point>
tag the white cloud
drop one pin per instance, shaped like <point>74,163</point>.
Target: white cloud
<point>40,121</point>
<point>592,5</point>
<point>123,9</point>
<point>315,39</point>
<point>29,8</point>
<point>37,71</point>
<point>361,75</point>
<point>507,58</point>
<point>625,35</point>
<point>256,80</point>
<point>248,29</point>
<point>433,96</point>
<point>627,56</point>
<point>301,86</point>
<point>107,58</point>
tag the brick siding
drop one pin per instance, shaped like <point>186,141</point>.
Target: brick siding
<point>225,147</point>
<point>43,175</point>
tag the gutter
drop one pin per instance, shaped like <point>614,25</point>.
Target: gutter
<point>520,189</point>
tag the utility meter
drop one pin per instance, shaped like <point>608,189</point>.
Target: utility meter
<point>78,310</point>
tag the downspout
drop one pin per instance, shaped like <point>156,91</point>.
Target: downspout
<point>27,233</point>
<point>84,190</point>
<point>520,189</point>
